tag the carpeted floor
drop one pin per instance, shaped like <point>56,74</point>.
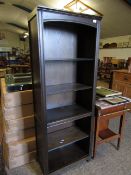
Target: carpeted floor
<point>108,160</point>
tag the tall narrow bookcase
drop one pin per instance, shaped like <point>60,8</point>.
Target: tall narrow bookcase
<point>64,50</point>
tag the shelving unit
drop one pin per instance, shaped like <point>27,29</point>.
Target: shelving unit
<point>64,51</point>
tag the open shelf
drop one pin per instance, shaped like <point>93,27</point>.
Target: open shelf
<point>66,155</point>
<point>69,59</point>
<point>62,88</point>
<point>65,137</point>
<point>66,113</point>
<point>107,135</point>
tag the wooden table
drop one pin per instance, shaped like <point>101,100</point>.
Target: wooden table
<point>105,112</point>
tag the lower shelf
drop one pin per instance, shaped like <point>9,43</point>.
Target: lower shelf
<point>66,155</point>
<point>64,137</point>
<point>107,135</point>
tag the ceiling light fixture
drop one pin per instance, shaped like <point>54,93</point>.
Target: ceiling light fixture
<point>80,7</point>
<point>25,35</point>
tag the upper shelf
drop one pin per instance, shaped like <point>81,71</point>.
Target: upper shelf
<point>62,88</point>
<point>69,59</point>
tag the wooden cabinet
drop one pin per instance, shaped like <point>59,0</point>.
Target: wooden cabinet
<point>122,82</point>
<point>64,51</point>
<point>128,91</point>
<point>119,87</point>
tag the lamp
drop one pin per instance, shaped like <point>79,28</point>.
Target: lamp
<point>80,7</point>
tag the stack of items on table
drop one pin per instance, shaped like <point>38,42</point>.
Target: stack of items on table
<point>19,145</point>
<point>107,97</point>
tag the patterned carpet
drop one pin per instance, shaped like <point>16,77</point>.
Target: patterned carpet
<point>108,160</point>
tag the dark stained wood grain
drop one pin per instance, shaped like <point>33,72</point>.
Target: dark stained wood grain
<point>65,137</point>
<point>61,88</point>
<point>69,154</point>
<point>66,114</point>
<point>64,52</point>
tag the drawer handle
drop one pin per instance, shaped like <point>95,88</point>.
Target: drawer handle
<point>125,78</point>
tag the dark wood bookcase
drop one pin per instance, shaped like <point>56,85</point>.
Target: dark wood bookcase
<point>64,51</point>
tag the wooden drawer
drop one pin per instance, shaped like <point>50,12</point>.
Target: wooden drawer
<point>122,77</point>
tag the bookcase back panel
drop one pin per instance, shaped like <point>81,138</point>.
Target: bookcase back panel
<point>83,124</point>
<point>68,40</point>
<point>85,75</point>
<point>67,155</point>
<point>60,72</point>
<point>60,42</point>
<point>82,98</point>
<point>58,100</point>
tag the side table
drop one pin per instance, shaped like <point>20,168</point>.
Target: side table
<point>104,113</point>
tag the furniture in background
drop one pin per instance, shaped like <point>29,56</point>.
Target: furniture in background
<point>64,51</point>
<point>18,62</point>
<point>107,65</point>
<point>104,113</point>
<point>19,68</point>
<point>121,81</point>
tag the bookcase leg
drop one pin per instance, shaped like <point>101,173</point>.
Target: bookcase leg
<point>96,136</point>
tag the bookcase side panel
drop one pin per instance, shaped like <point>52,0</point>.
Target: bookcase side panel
<point>40,118</point>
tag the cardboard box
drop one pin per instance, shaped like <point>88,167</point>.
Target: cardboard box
<point>20,147</point>
<point>2,72</point>
<point>20,123</point>
<point>17,111</point>
<point>12,136</point>
<point>19,160</point>
<point>15,98</point>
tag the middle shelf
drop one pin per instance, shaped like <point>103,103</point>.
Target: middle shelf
<point>64,137</point>
<point>61,88</point>
<point>64,114</point>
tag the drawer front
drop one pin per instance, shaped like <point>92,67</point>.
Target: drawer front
<point>118,86</point>
<point>123,77</point>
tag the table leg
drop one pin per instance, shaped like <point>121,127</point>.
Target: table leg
<point>121,126</point>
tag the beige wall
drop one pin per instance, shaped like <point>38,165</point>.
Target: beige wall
<point>120,53</point>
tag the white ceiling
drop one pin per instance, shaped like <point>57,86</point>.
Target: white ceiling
<point>116,20</point>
